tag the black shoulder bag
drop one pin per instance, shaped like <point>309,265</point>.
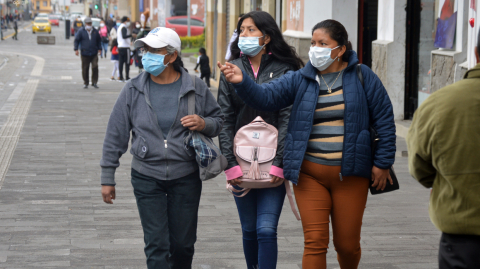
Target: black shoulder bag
<point>374,140</point>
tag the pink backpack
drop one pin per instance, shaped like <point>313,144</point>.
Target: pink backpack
<point>255,146</point>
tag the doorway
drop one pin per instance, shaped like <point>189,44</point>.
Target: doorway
<point>367,29</point>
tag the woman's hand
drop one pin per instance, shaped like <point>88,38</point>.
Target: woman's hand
<point>232,73</point>
<point>234,182</point>
<point>379,178</point>
<point>275,179</point>
<point>108,194</point>
<point>193,122</point>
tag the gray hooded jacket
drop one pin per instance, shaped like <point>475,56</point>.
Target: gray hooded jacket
<point>152,155</point>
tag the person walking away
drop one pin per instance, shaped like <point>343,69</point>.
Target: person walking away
<point>114,60</point>
<point>15,27</point>
<point>165,177</point>
<point>77,25</point>
<point>443,155</point>
<point>228,55</point>
<point>259,210</point>
<point>90,43</point>
<point>103,31</point>
<point>328,148</point>
<point>123,39</point>
<point>204,63</point>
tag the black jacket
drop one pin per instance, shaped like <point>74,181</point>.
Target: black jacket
<point>88,47</point>
<point>204,64</point>
<point>238,114</point>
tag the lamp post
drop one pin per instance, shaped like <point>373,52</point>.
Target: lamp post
<point>188,19</point>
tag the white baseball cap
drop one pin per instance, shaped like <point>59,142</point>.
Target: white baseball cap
<point>160,37</point>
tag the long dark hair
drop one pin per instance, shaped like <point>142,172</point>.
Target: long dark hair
<point>280,50</point>
<point>337,32</point>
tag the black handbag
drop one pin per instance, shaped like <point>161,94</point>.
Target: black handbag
<point>373,142</point>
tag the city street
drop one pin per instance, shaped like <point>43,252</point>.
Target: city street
<point>51,211</point>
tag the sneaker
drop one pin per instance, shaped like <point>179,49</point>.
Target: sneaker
<point>85,86</point>
<point>121,80</point>
<point>112,78</point>
<point>95,86</point>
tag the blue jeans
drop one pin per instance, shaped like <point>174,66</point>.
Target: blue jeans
<point>259,213</point>
<point>169,213</point>
<point>104,48</point>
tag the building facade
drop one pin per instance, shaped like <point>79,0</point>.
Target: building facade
<point>399,39</point>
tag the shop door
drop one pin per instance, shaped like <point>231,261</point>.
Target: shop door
<point>367,29</point>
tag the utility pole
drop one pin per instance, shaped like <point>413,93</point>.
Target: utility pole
<point>189,15</point>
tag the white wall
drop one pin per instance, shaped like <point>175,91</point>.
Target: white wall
<point>346,12</point>
<point>386,13</point>
<point>314,12</point>
<point>343,11</point>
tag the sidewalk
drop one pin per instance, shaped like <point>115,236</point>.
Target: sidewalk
<point>22,26</point>
<point>52,214</point>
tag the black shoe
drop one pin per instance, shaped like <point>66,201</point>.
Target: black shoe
<point>85,86</point>
<point>95,86</point>
<point>127,79</point>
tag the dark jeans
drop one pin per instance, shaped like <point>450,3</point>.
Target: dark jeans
<point>259,213</point>
<point>16,34</point>
<point>124,59</point>
<point>86,61</point>
<point>207,78</point>
<point>459,251</point>
<point>169,212</point>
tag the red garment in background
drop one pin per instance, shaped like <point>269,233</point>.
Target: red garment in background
<point>447,9</point>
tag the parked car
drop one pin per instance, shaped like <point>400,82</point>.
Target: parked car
<point>179,25</point>
<point>41,15</point>
<point>54,20</point>
<point>41,25</point>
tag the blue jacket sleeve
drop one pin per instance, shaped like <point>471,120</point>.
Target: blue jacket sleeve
<point>78,39</point>
<point>381,118</point>
<point>275,95</point>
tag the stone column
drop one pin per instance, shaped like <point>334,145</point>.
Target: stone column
<point>388,51</point>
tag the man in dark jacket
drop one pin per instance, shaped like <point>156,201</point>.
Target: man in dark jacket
<point>90,43</point>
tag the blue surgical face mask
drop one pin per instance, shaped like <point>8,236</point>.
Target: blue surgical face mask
<point>118,24</point>
<point>321,58</point>
<point>153,63</point>
<point>250,45</point>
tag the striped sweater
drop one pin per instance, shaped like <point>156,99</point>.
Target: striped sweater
<point>325,144</point>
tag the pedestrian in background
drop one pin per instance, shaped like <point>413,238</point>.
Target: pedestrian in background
<point>124,40</point>
<point>113,31</point>
<point>328,148</point>
<point>114,60</point>
<point>259,210</point>
<point>443,152</point>
<point>153,107</point>
<point>15,27</point>
<point>90,43</point>
<point>204,62</point>
<point>103,31</point>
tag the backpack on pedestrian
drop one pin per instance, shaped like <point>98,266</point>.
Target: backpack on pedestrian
<point>255,148</point>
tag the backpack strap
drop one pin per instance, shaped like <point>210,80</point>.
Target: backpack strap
<point>191,98</point>
<point>360,74</point>
<point>290,199</point>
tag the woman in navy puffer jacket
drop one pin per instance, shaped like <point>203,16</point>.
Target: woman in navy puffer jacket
<point>327,148</point>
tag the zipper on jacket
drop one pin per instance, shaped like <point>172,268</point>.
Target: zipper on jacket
<point>341,178</point>
<point>169,131</point>
<point>344,125</point>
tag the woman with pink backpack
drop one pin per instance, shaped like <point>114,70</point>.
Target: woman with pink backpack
<point>262,53</point>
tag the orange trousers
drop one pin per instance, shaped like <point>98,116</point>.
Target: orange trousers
<point>320,194</point>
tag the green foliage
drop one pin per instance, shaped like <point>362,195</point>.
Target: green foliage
<point>193,41</point>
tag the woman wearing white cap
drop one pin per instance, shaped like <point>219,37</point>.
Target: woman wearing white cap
<point>153,107</point>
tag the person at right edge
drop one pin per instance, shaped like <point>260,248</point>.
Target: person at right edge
<point>262,53</point>
<point>327,151</point>
<point>443,152</point>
